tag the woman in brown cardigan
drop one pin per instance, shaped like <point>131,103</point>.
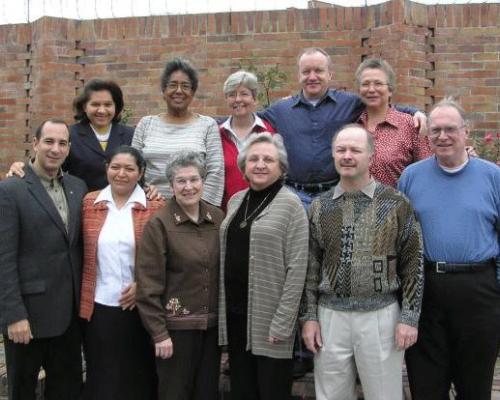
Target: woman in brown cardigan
<point>119,354</point>
<point>177,276</point>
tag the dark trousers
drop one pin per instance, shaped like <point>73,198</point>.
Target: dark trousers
<point>119,356</point>
<point>255,377</point>
<point>458,336</point>
<point>192,373</point>
<point>60,357</point>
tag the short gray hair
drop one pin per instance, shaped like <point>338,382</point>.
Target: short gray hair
<point>241,78</point>
<point>264,137</point>
<point>183,160</point>
<point>369,138</point>
<point>312,50</point>
<point>382,65</point>
<point>450,102</point>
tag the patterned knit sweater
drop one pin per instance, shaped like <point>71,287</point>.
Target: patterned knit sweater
<point>365,253</point>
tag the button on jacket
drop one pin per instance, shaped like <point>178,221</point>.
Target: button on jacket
<point>177,270</point>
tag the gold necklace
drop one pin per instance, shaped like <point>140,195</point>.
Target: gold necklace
<point>243,224</point>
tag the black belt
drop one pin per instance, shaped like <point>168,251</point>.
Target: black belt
<point>442,267</point>
<point>312,187</point>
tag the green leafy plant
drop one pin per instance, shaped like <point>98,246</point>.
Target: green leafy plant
<point>487,146</point>
<point>270,78</point>
<point>127,113</point>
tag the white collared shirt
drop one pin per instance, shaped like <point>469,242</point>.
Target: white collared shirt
<point>234,137</point>
<point>116,248</point>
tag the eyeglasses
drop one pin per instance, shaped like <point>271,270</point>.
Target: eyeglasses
<point>173,86</point>
<point>435,132</point>
<point>183,181</point>
<point>376,85</point>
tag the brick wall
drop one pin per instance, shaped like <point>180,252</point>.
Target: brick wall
<point>435,50</point>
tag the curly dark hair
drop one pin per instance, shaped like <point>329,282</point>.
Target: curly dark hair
<point>179,64</point>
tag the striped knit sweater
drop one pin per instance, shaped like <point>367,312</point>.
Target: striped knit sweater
<point>364,254</point>
<point>277,268</point>
<point>160,141</point>
<point>93,218</point>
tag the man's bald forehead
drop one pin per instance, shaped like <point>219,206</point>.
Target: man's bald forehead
<point>355,129</point>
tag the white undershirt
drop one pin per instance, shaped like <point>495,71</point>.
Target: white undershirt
<point>116,248</point>
<point>454,170</point>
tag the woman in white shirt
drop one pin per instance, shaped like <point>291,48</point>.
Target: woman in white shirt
<point>119,354</point>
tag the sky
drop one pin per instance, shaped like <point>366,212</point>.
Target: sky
<point>19,11</point>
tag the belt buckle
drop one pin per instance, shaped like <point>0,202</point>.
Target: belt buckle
<point>438,265</point>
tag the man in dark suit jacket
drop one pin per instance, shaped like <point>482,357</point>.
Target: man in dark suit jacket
<point>40,271</point>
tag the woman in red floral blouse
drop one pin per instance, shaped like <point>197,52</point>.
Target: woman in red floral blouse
<point>397,141</point>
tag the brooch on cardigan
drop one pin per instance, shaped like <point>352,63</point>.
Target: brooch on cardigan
<point>174,307</point>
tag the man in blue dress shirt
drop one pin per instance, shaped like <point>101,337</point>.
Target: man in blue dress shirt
<point>309,120</point>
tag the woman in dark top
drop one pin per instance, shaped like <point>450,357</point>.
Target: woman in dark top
<point>98,132</point>
<point>96,135</point>
<point>264,245</point>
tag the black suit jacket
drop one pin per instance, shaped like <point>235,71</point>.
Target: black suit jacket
<point>40,261</point>
<point>86,158</point>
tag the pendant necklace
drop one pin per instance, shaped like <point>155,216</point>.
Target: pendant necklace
<point>243,224</point>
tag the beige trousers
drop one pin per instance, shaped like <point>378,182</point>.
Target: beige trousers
<point>362,342</point>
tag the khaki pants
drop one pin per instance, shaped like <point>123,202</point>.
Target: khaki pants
<point>362,341</point>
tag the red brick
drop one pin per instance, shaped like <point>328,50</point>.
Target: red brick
<point>494,14</point>
<point>291,16</point>
<point>134,50</point>
<point>441,16</point>
<point>340,18</point>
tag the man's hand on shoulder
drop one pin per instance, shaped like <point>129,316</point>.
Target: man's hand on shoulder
<point>20,332</point>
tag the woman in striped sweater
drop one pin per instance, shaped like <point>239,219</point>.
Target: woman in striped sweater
<point>161,137</point>
<point>264,241</point>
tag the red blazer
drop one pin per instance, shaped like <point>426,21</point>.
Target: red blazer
<point>93,218</point>
<point>233,179</point>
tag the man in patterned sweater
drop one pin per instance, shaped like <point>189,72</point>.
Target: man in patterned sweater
<point>364,283</point>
